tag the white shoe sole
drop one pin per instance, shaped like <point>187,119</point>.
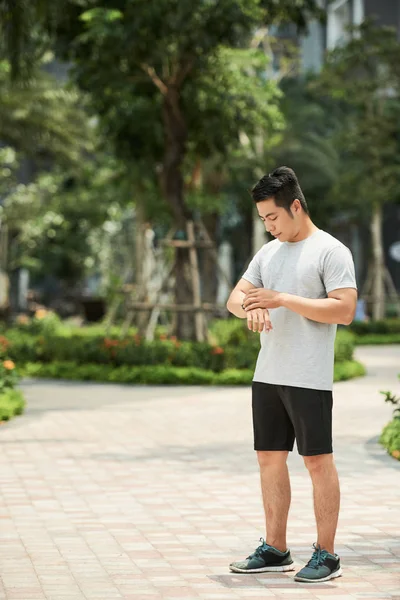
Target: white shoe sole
<point>331,576</point>
<point>282,569</point>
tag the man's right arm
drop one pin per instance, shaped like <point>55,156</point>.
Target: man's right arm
<point>235,300</point>
<point>257,319</point>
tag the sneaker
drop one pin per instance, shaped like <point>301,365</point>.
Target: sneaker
<point>322,567</point>
<point>264,558</point>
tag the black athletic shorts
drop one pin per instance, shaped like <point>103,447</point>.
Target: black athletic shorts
<point>282,413</point>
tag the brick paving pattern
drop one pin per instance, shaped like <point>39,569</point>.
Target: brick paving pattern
<point>146,493</point>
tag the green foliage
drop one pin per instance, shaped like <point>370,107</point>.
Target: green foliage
<point>348,369</point>
<point>44,322</point>
<point>376,339</point>
<point>233,347</point>
<point>307,143</point>
<point>395,401</point>
<point>367,333</point>
<point>386,326</point>
<point>11,400</point>
<point>12,403</point>
<point>133,58</point>
<point>44,119</point>
<point>160,374</point>
<point>344,346</point>
<point>364,77</point>
<point>8,375</point>
<point>390,438</point>
<point>64,219</point>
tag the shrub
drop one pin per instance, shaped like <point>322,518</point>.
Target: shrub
<point>161,374</point>
<point>378,338</point>
<point>11,400</point>
<point>348,370</point>
<point>386,326</point>
<point>344,346</point>
<point>43,322</point>
<point>8,375</point>
<point>234,377</point>
<point>390,438</point>
<point>11,403</point>
<point>235,348</point>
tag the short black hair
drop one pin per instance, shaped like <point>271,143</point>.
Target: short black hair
<point>283,186</point>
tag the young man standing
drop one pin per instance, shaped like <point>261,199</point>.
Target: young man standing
<point>295,291</point>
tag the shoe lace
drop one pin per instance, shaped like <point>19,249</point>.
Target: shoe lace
<point>317,558</point>
<point>261,548</point>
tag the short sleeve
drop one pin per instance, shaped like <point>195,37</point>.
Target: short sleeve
<point>253,273</point>
<point>338,271</point>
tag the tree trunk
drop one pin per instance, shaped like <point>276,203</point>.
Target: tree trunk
<point>141,316</point>
<point>209,267</point>
<point>175,132</point>
<point>378,289</point>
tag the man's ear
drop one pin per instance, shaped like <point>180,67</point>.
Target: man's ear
<point>296,205</point>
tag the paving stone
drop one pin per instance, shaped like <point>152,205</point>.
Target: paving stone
<point>111,492</point>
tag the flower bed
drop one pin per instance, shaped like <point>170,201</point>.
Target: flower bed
<point>44,347</point>
<point>11,400</point>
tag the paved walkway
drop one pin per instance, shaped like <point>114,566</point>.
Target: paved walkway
<point>148,493</point>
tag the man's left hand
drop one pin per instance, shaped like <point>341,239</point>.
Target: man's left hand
<point>262,298</point>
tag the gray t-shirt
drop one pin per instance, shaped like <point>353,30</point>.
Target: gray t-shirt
<point>298,351</point>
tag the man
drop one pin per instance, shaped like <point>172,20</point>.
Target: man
<point>295,291</point>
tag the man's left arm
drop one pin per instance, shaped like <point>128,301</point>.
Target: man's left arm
<point>339,308</point>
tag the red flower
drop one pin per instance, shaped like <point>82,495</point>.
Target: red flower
<point>4,342</point>
<point>108,343</point>
<point>163,336</point>
<point>217,350</point>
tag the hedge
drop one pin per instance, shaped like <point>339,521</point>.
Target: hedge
<point>234,348</point>
<point>386,326</point>
<point>162,374</point>
<point>376,339</point>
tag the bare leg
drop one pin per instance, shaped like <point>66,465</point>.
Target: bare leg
<point>275,486</point>
<point>326,488</point>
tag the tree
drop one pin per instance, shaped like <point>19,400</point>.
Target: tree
<point>175,79</point>
<point>24,26</point>
<point>364,76</point>
<point>307,143</point>
<point>44,120</point>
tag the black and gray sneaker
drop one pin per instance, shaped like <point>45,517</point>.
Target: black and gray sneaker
<point>323,566</point>
<point>264,558</point>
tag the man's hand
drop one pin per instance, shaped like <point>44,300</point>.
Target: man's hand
<point>258,320</point>
<point>261,298</point>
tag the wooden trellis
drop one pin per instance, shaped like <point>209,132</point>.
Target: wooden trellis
<point>199,309</point>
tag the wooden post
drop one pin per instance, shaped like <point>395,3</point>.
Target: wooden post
<point>194,268</point>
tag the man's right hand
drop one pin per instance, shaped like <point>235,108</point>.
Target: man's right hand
<point>258,320</point>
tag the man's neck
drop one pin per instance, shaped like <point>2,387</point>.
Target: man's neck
<point>307,229</point>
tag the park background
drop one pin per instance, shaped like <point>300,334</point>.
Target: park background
<point>131,135</point>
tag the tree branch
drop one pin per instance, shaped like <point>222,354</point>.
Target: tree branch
<point>181,74</point>
<point>155,78</point>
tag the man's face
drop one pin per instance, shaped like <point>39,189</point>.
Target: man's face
<point>278,221</point>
